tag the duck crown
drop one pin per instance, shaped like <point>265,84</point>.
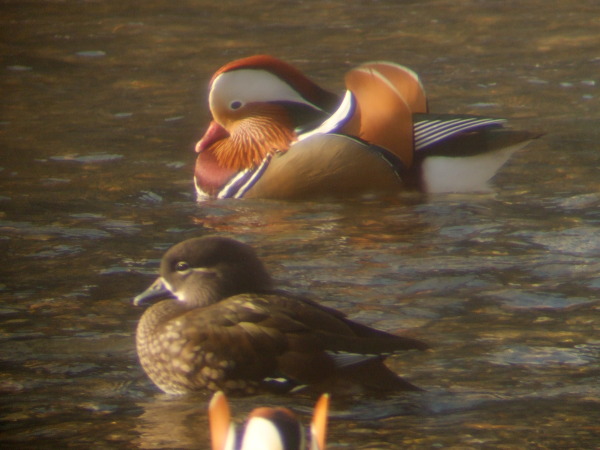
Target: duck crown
<point>286,73</point>
<point>203,271</point>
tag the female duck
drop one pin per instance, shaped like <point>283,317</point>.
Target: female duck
<point>227,329</point>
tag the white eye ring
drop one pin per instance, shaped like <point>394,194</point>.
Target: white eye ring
<point>182,266</point>
<point>236,104</point>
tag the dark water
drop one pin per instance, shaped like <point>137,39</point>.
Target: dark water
<point>102,103</point>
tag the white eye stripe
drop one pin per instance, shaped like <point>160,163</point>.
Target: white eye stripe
<point>201,269</point>
<point>195,269</point>
<point>251,85</point>
<point>180,293</point>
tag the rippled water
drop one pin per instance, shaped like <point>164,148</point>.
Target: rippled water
<point>102,104</point>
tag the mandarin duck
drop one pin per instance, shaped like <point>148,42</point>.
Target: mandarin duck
<point>276,134</point>
<point>228,329</point>
<point>266,428</point>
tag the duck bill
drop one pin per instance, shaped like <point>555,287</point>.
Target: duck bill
<point>156,290</point>
<point>214,133</point>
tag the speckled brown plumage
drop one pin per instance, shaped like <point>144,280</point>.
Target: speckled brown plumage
<point>227,329</point>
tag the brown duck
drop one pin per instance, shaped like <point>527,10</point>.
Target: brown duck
<point>228,329</point>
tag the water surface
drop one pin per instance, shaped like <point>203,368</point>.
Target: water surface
<point>102,104</point>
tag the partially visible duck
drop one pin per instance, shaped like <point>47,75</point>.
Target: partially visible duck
<point>266,428</point>
<point>277,134</point>
<point>227,329</point>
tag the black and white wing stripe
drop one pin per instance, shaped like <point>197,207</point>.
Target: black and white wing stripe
<point>433,130</point>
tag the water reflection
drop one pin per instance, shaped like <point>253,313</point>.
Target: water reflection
<point>102,105</point>
<point>168,423</point>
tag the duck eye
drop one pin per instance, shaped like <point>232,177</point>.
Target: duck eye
<point>236,104</point>
<point>182,266</point>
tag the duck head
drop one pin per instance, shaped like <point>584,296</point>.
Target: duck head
<point>203,271</point>
<point>257,103</point>
<point>267,428</point>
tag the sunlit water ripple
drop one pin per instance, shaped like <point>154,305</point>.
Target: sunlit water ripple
<point>102,106</point>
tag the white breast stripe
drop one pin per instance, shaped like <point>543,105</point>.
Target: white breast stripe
<point>339,117</point>
<point>230,188</point>
<point>254,177</point>
<point>201,194</point>
<point>429,132</point>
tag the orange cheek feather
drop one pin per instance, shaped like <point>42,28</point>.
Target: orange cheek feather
<point>258,130</point>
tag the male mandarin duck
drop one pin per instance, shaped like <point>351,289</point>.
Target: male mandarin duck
<point>266,428</point>
<point>227,329</point>
<point>277,134</point>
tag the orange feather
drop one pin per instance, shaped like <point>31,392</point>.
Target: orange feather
<point>405,82</point>
<point>266,129</point>
<point>382,117</point>
<point>220,420</point>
